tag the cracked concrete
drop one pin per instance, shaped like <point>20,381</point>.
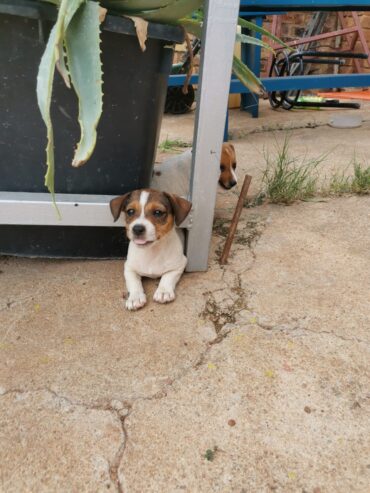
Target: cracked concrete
<point>256,379</point>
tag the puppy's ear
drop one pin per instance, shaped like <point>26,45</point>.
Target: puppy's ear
<point>117,205</point>
<point>180,206</point>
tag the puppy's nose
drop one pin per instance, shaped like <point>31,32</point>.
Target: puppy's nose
<point>138,229</point>
<point>232,183</point>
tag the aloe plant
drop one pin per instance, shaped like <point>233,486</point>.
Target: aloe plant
<point>73,48</point>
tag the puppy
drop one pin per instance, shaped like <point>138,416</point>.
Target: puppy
<point>155,248</point>
<point>174,173</point>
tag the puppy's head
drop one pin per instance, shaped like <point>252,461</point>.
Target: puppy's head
<point>149,214</point>
<point>228,177</point>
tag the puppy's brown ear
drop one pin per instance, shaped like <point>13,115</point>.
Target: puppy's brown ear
<point>180,206</point>
<point>117,205</point>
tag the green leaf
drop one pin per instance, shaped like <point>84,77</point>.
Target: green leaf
<point>257,29</point>
<point>244,38</point>
<point>83,57</point>
<point>172,12</point>
<point>45,80</point>
<point>192,26</point>
<point>135,5</point>
<point>247,77</point>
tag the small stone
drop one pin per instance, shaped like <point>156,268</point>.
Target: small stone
<point>231,422</point>
<point>307,410</point>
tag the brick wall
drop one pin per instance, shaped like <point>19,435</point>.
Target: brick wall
<point>293,26</point>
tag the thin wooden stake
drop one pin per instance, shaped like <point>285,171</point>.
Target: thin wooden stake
<point>235,219</point>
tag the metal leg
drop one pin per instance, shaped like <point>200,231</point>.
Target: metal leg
<point>226,130</point>
<point>220,17</point>
<point>251,56</point>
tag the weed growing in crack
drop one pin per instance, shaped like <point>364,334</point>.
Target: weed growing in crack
<point>175,145</point>
<point>342,183</point>
<point>287,178</point>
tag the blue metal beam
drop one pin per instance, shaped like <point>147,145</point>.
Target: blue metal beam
<point>288,83</point>
<point>272,5</point>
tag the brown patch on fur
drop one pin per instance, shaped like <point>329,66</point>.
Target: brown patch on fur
<point>158,210</point>
<point>180,206</point>
<point>228,162</point>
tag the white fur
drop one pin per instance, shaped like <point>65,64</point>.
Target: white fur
<point>163,258</point>
<point>234,175</point>
<point>150,232</point>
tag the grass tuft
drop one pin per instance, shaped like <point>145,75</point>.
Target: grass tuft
<point>287,178</point>
<point>169,145</point>
<point>359,182</point>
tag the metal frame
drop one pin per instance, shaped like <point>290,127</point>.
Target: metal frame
<point>219,38</point>
<point>20,208</point>
<point>214,84</point>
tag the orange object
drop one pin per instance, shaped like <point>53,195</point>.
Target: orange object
<point>364,95</point>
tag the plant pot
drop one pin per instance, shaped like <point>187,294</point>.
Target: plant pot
<point>134,87</point>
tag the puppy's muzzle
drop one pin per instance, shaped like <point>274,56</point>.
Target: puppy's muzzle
<point>228,185</point>
<point>139,230</point>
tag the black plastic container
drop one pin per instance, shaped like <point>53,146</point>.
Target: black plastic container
<point>135,85</point>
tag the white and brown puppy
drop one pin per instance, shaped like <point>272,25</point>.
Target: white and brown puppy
<point>174,173</point>
<point>155,248</point>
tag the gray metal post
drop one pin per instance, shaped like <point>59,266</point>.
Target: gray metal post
<point>215,72</point>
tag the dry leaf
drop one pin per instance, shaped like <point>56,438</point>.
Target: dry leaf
<point>141,26</point>
<point>102,14</point>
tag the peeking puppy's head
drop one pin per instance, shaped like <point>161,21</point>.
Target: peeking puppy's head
<point>228,177</point>
<point>149,214</point>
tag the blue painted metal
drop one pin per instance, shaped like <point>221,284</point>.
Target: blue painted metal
<point>251,56</point>
<point>288,83</point>
<point>273,5</point>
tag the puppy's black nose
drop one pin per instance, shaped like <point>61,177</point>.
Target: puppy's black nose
<point>232,183</point>
<point>138,229</point>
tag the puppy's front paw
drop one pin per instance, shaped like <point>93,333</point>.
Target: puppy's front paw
<point>135,301</point>
<point>164,295</point>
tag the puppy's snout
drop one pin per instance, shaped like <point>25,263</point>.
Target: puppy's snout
<point>138,229</point>
<point>233,183</point>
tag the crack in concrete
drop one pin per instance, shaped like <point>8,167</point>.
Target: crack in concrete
<point>107,407</point>
<point>128,405</point>
<point>287,330</point>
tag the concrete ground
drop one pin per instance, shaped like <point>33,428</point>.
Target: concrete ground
<point>256,379</point>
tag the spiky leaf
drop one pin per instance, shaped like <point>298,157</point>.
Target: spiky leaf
<point>247,77</point>
<point>45,79</point>
<point>83,51</point>
<point>257,29</point>
<point>244,38</point>
<point>172,12</point>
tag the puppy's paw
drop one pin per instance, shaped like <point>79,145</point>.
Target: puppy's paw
<point>135,301</point>
<point>164,295</point>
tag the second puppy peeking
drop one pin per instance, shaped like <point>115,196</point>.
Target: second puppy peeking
<point>174,173</point>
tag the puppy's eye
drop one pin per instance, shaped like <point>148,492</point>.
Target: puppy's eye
<point>234,165</point>
<point>222,167</point>
<point>130,212</point>
<point>158,213</point>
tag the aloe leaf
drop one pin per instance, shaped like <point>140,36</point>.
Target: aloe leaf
<point>136,5</point>
<point>82,42</point>
<point>45,79</point>
<point>244,38</point>
<point>172,12</point>
<point>257,29</point>
<point>247,77</point>
<point>192,26</point>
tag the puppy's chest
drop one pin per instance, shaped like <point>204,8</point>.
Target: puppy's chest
<point>155,263</point>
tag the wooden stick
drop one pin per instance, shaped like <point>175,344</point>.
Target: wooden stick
<point>235,219</point>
